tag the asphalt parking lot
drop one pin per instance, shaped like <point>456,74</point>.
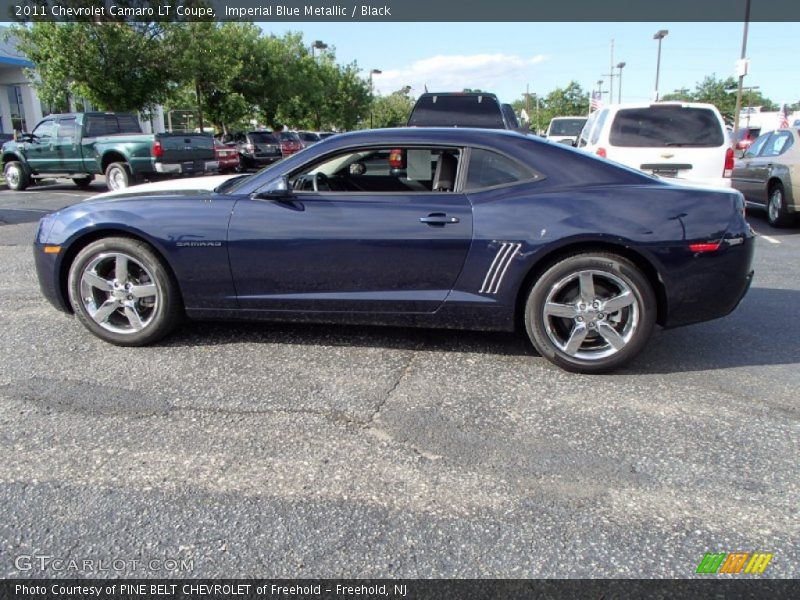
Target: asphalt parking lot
<point>316,451</point>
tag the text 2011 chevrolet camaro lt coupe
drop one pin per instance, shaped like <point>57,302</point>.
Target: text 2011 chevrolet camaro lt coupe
<point>456,228</point>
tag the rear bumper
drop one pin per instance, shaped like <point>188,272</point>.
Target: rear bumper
<point>712,285</point>
<point>187,168</point>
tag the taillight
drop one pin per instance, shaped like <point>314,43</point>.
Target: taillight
<point>601,152</point>
<point>396,159</point>
<point>705,247</point>
<point>726,172</point>
<point>158,151</point>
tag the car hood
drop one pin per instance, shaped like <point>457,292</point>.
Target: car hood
<point>177,186</point>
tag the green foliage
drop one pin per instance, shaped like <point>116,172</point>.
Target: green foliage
<point>116,66</point>
<point>570,101</point>
<point>392,110</point>
<point>722,94</point>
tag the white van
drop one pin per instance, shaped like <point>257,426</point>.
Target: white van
<point>564,129</point>
<point>687,141</point>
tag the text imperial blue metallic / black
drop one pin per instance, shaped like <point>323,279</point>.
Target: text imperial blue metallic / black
<point>455,228</point>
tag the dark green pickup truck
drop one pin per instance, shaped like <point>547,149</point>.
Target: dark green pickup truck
<point>79,146</point>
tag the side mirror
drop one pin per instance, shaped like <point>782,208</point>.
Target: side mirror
<point>275,190</point>
<point>25,137</point>
<point>741,153</point>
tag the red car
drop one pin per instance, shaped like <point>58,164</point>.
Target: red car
<point>290,142</point>
<point>227,155</point>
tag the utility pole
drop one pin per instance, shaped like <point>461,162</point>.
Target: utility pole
<point>660,35</point>
<point>742,68</point>
<point>611,75</point>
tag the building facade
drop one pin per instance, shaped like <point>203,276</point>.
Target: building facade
<point>20,108</point>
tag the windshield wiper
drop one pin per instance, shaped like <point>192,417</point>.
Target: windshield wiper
<point>682,144</point>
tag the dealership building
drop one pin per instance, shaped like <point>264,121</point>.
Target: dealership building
<point>20,108</point>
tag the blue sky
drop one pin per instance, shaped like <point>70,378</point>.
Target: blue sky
<point>504,57</point>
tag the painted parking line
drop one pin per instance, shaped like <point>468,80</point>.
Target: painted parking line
<point>771,240</point>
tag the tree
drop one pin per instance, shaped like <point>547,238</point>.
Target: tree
<point>392,110</point>
<point>119,66</point>
<point>722,94</point>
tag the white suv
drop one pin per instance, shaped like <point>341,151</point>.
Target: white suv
<point>687,141</point>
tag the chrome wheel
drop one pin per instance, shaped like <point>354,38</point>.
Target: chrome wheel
<point>116,179</point>
<point>13,177</point>
<point>119,293</point>
<point>775,205</point>
<point>590,314</point>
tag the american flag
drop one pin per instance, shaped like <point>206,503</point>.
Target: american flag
<point>783,115</point>
<point>596,102</point>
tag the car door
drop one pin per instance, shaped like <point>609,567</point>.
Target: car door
<point>372,234</point>
<point>743,177</point>
<point>67,148</point>
<point>41,150</point>
<point>766,162</point>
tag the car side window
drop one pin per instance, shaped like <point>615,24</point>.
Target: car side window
<point>756,146</point>
<point>777,144</point>
<point>44,130</point>
<point>488,169</point>
<point>390,170</point>
<point>66,128</point>
<point>96,126</point>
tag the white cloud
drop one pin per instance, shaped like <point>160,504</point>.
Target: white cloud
<point>453,73</point>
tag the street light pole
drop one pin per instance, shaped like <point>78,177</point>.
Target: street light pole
<point>371,93</point>
<point>742,73</point>
<point>317,45</point>
<point>619,94</point>
<point>660,35</point>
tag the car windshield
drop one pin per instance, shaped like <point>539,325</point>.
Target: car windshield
<point>662,126</point>
<point>290,136</point>
<point>227,186</point>
<point>262,138</point>
<point>566,126</point>
<point>457,111</point>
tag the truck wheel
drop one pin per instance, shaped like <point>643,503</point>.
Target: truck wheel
<point>118,176</point>
<point>83,182</point>
<point>16,177</point>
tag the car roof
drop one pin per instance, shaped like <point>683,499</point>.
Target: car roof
<point>428,135</point>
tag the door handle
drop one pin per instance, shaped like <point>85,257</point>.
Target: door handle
<point>438,219</point>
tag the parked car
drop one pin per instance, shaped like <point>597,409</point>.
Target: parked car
<point>768,174</point>
<point>325,134</point>
<point>482,230</point>
<point>227,156</point>
<point>671,139</point>
<point>79,146</point>
<point>290,142</point>
<point>463,109</point>
<point>746,137</point>
<point>257,148</point>
<point>565,130</point>
<point>309,137</point>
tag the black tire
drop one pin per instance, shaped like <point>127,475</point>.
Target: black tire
<point>611,276</point>
<point>83,182</point>
<point>17,177</point>
<point>154,316</point>
<point>777,215</point>
<point>118,176</point>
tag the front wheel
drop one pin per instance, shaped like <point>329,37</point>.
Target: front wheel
<point>777,215</point>
<point>123,293</point>
<point>590,313</point>
<point>16,176</point>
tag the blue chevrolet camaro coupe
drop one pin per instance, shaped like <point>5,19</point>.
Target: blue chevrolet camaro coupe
<point>455,228</point>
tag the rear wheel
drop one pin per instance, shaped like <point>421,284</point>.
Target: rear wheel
<point>590,313</point>
<point>16,176</point>
<point>83,182</point>
<point>118,176</point>
<point>123,293</point>
<point>777,215</point>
